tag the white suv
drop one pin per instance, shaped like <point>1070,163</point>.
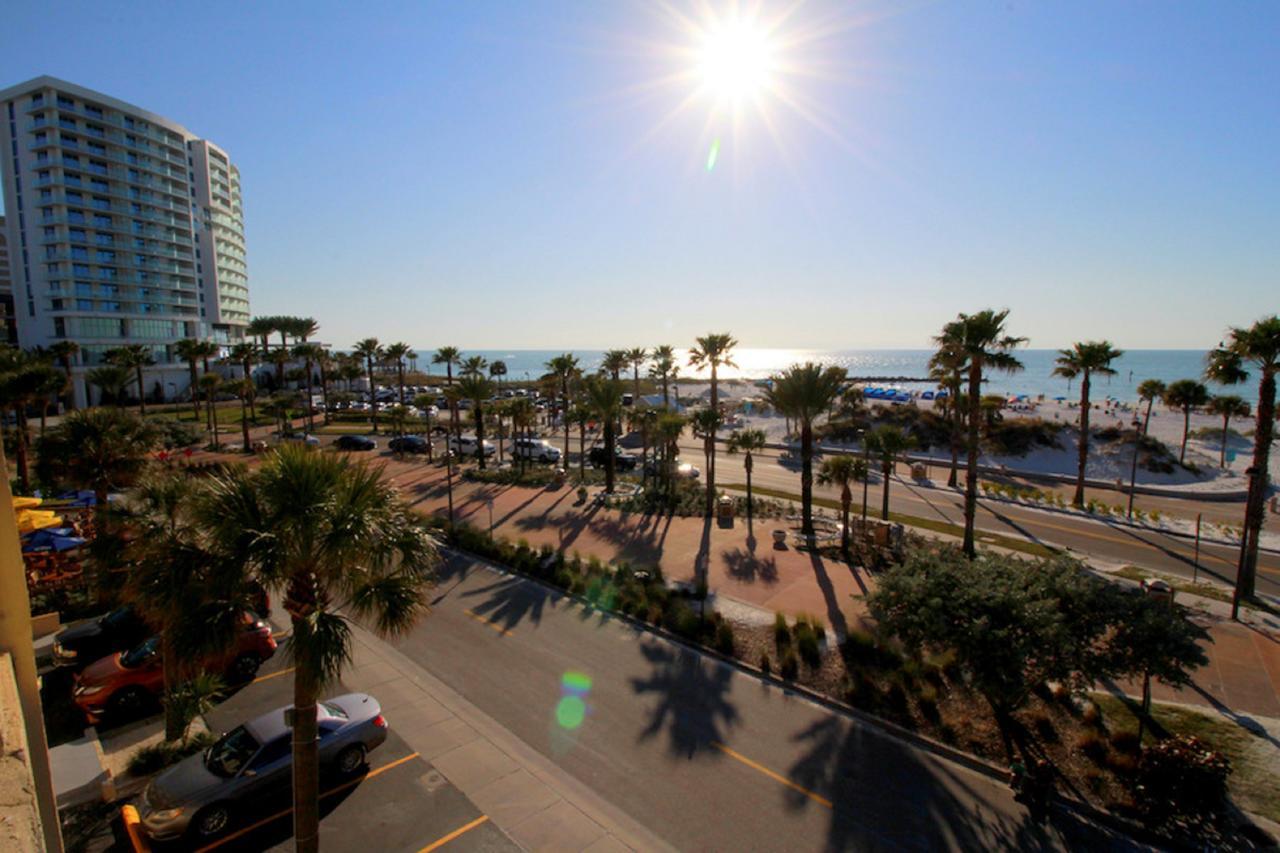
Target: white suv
<point>466,446</point>
<point>535,448</point>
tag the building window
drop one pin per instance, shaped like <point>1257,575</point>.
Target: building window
<point>80,269</point>
<point>37,100</point>
<point>64,101</point>
<point>101,221</point>
<point>84,304</point>
<point>79,253</point>
<point>76,234</point>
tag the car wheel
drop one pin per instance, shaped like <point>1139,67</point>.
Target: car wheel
<point>127,703</point>
<point>243,668</point>
<point>211,821</point>
<point>350,760</point>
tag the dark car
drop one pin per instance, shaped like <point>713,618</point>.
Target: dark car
<point>409,444</point>
<point>204,794</point>
<point>599,457</point>
<point>355,442</point>
<point>80,645</point>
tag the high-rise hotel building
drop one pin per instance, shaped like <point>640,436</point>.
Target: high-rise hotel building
<point>123,228</point>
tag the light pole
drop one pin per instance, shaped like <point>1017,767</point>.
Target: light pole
<point>448,467</point>
<point>1133,469</point>
<point>866,475</point>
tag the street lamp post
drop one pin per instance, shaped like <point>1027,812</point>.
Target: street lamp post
<point>1133,469</point>
<point>448,467</point>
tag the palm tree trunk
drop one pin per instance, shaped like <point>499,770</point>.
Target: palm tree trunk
<point>886,470</point>
<point>971,464</point>
<point>24,474</point>
<point>1186,430</point>
<point>1221,456</point>
<point>608,447</point>
<point>1078,499</point>
<point>311,418</point>
<point>169,661</point>
<point>709,448</point>
<point>244,425</point>
<point>253,409</point>
<point>666,399</point>
<point>1147,420</point>
<point>400,379</point>
<point>582,450</point>
<point>306,762</point>
<point>324,392</point>
<point>142,395</point>
<point>806,478</point>
<point>952,479</point>
<point>373,398</point>
<point>1255,506</point>
<point>195,397</point>
<point>213,419</point>
<point>846,498</point>
<point>44,416</point>
<point>748,464</point>
<point>479,435</point>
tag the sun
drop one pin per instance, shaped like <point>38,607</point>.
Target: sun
<point>736,60</point>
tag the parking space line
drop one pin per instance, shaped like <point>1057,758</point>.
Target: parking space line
<point>777,777</point>
<point>276,674</point>
<point>239,833</point>
<point>506,632</point>
<point>462,830</point>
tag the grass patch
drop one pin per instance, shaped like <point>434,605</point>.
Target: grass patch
<point>1204,590</point>
<point>1254,783</point>
<point>942,527</point>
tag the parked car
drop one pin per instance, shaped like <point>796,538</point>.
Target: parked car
<point>535,448</point>
<point>80,645</point>
<point>301,438</point>
<point>203,795</point>
<point>409,444</point>
<point>622,461</point>
<point>682,470</point>
<point>466,446</point>
<point>123,683</point>
<point>355,442</point>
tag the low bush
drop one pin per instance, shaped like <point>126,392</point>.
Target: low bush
<point>1126,741</point>
<point>765,665</point>
<point>789,667</point>
<point>1181,778</point>
<point>1093,746</point>
<point>807,643</point>
<point>781,633</point>
<point>156,757</point>
<point>724,638</point>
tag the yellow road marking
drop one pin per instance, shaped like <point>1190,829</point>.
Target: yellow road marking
<point>266,820</point>
<point>777,777</point>
<point>271,675</point>
<point>462,830</point>
<point>506,632</point>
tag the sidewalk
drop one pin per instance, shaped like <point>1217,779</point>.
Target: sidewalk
<point>538,805</point>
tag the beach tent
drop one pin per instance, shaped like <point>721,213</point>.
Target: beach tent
<point>942,395</point>
<point>927,395</point>
<point>77,499</point>
<point>52,539</point>
<point>1060,399</point>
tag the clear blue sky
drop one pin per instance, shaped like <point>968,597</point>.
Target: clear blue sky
<point>497,175</point>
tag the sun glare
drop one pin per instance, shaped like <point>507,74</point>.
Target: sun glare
<point>736,60</point>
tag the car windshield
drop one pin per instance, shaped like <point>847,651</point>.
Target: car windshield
<point>334,710</point>
<point>140,654</point>
<point>231,752</point>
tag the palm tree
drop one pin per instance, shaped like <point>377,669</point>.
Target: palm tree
<point>803,392</point>
<point>981,341</point>
<point>713,351</point>
<point>309,354</point>
<point>262,328</point>
<point>245,354</point>
<point>1258,346</point>
<point>65,353</point>
<point>1228,406</point>
<point>664,369</point>
<point>1149,391</point>
<point>452,395</point>
<point>133,357</point>
<point>475,365</point>
<point>194,600</point>
<point>99,449</point>
<point>614,362</point>
<point>842,470</point>
<point>395,353</point>
<point>748,442</point>
<point>24,381</point>
<point>565,368</point>
<point>303,328</point>
<point>1086,360</point>
<point>523,416</point>
<point>448,356</point>
<point>245,391</point>
<point>497,371</point>
<point>705,422</point>
<point>476,388</point>
<point>888,442</point>
<point>189,350</point>
<point>111,380</point>
<point>604,396</point>
<point>945,368</point>
<point>1185,394</point>
<point>669,429</point>
<point>343,545</point>
<point>371,351</point>
<point>637,356</point>
<point>580,416</point>
<point>210,383</point>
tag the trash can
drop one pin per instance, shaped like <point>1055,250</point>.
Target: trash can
<point>724,508</point>
<point>918,471</point>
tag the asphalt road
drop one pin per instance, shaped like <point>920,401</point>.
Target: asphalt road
<point>703,755</point>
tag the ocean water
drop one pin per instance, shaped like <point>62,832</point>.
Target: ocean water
<point>1036,378</point>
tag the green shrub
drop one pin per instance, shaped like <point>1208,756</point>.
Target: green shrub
<point>781,633</point>
<point>681,620</point>
<point>1181,778</point>
<point>807,643</point>
<point>724,638</point>
<point>1092,745</point>
<point>765,665</point>
<point>789,666</point>
<point>1091,715</point>
<point>1044,728</point>
<point>1126,741</point>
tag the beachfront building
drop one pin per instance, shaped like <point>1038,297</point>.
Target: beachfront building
<point>8,323</point>
<point>123,227</point>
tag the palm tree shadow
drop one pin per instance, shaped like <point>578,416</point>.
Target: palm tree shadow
<point>1022,531</point>
<point>510,600</point>
<point>692,693</point>
<point>869,777</point>
<point>834,614</point>
<point>746,566</point>
<point>916,490</point>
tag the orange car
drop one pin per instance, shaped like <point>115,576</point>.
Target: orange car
<point>123,684</point>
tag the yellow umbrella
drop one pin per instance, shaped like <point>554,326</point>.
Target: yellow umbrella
<point>20,502</point>
<point>36,519</point>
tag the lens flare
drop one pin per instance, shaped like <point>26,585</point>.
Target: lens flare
<point>711,157</point>
<point>571,710</point>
